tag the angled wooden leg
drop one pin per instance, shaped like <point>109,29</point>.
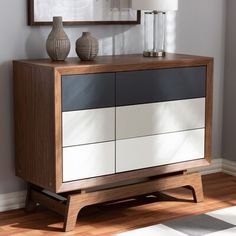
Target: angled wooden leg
<point>30,205</point>
<point>72,210</point>
<point>198,190</point>
<point>72,203</point>
<point>196,187</point>
<point>77,201</point>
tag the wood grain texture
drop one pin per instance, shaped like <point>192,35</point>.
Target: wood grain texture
<point>58,159</point>
<point>111,219</point>
<point>45,200</point>
<point>34,124</point>
<point>38,100</point>
<point>130,175</point>
<point>77,201</point>
<point>209,112</point>
<point>73,66</point>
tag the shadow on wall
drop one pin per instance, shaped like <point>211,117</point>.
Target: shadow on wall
<point>121,40</point>
<point>126,39</point>
<point>5,96</point>
<point>35,43</point>
<point>171,32</point>
<point>7,131</point>
<point>113,39</point>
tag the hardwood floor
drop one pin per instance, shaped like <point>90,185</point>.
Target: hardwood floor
<point>103,220</point>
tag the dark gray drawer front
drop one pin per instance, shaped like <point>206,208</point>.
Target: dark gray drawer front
<point>149,86</point>
<point>89,91</point>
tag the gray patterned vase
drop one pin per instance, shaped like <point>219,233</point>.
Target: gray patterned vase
<point>58,43</point>
<point>87,47</point>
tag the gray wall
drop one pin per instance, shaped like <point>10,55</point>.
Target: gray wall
<point>198,29</point>
<point>201,31</point>
<point>229,122</point>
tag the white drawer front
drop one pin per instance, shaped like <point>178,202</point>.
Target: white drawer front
<point>88,161</point>
<point>88,126</point>
<point>159,150</point>
<point>157,118</point>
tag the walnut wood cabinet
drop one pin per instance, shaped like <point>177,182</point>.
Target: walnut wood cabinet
<point>81,127</point>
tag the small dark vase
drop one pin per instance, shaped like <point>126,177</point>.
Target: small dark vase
<point>58,43</point>
<point>87,47</point>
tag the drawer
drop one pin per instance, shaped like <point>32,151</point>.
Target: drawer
<point>88,126</point>
<point>144,152</point>
<point>90,91</point>
<point>160,85</point>
<point>88,161</point>
<point>157,118</point>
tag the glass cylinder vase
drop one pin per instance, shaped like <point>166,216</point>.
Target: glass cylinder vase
<point>154,34</point>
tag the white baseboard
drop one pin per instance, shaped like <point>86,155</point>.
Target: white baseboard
<point>16,200</point>
<point>229,167</point>
<point>215,167</point>
<point>218,165</point>
<point>12,201</point>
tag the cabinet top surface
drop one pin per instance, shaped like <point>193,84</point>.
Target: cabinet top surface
<point>120,63</point>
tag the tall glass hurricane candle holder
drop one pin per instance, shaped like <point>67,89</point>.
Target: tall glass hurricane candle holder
<point>154,34</point>
<point>155,24</point>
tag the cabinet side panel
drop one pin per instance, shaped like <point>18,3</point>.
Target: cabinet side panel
<point>209,111</point>
<point>34,124</point>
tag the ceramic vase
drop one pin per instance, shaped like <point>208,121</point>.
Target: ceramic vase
<point>87,47</point>
<point>58,43</point>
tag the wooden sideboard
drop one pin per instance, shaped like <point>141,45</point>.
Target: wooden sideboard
<point>121,126</point>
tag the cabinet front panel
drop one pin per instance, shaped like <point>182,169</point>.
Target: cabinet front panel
<point>160,85</point>
<point>88,126</point>
<point>91,91</point>
<point>88,161</point>
<point>138,153</point>
<point>157,118</point>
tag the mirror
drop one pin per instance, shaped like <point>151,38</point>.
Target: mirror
<point>79,12</point>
